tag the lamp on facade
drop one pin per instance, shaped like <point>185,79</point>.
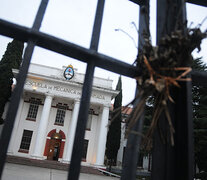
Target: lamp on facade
<point>34,88</point>
<point>56,136</point>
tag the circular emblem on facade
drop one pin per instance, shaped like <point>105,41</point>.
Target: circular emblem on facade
<point>69,72</point>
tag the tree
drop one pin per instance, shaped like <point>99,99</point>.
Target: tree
<point>114,133</point>
<point>200,120</point>
<point>12,58</point>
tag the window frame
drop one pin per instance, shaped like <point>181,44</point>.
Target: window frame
<point>25,142</point>
<point>33,109</point>
<point>61,113</point>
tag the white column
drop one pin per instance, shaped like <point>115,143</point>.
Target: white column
<point>16,126</point>
<point>71,132</point>
<point>41,132</point>
<point>101,145</point>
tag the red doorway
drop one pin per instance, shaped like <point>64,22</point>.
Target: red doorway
<point>54,145</point>
<point>54,149</point>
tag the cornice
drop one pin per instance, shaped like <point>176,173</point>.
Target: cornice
<point>65,82</point>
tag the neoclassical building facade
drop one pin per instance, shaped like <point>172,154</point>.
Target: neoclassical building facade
<point>47,116</point>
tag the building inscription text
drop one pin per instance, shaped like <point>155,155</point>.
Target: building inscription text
<point>37,85</point>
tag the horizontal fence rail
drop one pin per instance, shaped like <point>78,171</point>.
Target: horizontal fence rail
<point>68,49</point>
<point>198,2</point>
<point>83,54</point>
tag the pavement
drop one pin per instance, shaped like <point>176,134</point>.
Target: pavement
<point>17,168</point>
<point>24,172</point>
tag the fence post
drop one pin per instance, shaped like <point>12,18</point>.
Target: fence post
<point>174,162</point>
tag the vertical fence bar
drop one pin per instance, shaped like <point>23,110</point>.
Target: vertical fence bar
<point>97,25</point>
<point>132,152</point>
<point>40,15</point>
<point>162,154</point>
<point>131,156</point>
<point>15,98</point>
<point>74,169</point>
<point>174,162</point>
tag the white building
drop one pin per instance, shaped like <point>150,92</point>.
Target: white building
<point>47,116</point>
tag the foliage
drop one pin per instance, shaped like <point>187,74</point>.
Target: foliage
<point>200,120</point>
<point>11,59</point>
<point>114,133</point>
<point>162,67</point>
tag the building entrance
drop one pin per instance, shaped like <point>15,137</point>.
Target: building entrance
<point>54,147</point>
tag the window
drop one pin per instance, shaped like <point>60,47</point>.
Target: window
<point>33,109</point>
<point>26,140</point>
<point>60,116</point>
<point>90,116</point>
<point>85,149</point>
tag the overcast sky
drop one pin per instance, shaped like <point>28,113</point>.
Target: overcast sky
<point>72,20</point>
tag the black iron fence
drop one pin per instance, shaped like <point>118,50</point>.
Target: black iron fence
<point>34,37</point>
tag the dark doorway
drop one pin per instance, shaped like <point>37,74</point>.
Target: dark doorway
<point>54,148</point>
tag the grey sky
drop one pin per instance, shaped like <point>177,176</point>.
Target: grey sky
<point>72,20</point>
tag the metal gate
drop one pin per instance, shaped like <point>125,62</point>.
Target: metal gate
<point>163,167</point>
